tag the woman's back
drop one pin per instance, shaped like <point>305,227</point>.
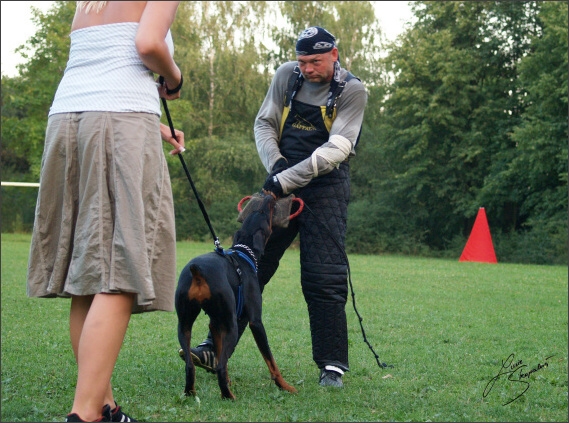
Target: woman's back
<point>105,71</point>
<point>89,14</point>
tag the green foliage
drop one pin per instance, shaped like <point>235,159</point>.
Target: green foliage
<point>466,109</point>
<point>224,84</point>
<point>223,174</point>
<point>545,243</point>
<point>541,160</point>
<point>442,143</point>
<point>26,99</point>
<point>445,326</point>
<point>353,23</point>
<point>18,206</point>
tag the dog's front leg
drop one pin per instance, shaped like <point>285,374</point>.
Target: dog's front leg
<point>260,336</point>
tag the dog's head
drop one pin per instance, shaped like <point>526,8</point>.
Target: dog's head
<point>257,226</point>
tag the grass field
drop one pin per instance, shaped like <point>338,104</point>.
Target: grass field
<point>448,328</point>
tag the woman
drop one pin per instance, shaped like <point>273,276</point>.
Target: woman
<point>104,231</point>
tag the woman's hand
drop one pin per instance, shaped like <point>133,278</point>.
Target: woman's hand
<point>163,89</point>
<point>177,143</point>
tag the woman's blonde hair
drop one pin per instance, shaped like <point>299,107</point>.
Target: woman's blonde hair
<point>89,5</point>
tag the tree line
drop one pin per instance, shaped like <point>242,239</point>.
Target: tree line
<point>467,108</point>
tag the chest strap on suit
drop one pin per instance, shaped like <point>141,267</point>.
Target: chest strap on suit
<point>336,87</point>
<point>294,83</point>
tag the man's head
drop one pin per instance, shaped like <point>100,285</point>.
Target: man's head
<point>316,53</point>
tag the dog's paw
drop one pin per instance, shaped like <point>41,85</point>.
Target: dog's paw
<point>190,393</point>
<point>229,397</point>
<point>286,387</point>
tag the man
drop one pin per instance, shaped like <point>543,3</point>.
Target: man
<point>304,143</point>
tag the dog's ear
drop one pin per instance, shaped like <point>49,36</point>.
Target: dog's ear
<point>237,235</point>
<point>260,239</point>
<point>268,205</point>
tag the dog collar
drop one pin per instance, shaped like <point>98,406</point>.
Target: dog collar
<point>249,257</point>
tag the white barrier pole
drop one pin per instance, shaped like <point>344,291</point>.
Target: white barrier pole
<point>20,184</point>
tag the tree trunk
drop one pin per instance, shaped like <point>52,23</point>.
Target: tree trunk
<point>211,93</point>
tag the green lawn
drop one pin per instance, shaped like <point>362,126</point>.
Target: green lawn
<point>446,327</point>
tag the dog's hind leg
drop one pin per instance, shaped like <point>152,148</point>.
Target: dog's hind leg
<point>224,342</point>
<point>185,323</point>
<point>260,336</point>
<point>187,310</point>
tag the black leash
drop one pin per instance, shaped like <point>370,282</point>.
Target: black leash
<point>200,203</point>
<point>360,318</point>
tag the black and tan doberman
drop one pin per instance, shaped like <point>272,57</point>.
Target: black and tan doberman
<point>224,285</point>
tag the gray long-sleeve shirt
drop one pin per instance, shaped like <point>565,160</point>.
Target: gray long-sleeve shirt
<point>343,133</point>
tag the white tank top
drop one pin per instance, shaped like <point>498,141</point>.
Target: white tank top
<point>104,73</point>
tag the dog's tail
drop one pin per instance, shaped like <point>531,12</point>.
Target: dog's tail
<point>196,273</point>
<point>199,289</point>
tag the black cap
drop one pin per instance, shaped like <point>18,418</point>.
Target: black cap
<point>314,40</point>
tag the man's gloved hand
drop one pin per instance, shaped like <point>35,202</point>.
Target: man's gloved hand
<point>280,165</point>
<point>273,185</point>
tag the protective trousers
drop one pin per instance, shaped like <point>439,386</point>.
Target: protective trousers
<point>321,228</point>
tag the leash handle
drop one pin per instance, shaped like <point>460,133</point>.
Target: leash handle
<point>300,208</point>
<point>200,203</point>
<point>165,105</point>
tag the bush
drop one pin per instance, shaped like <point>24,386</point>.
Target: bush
<point>18,208</point>
<point>543,243</point>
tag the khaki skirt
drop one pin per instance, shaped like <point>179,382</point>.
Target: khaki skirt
<point>104,220</point>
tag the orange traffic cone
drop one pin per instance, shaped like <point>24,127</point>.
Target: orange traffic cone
<point>479,246</point>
